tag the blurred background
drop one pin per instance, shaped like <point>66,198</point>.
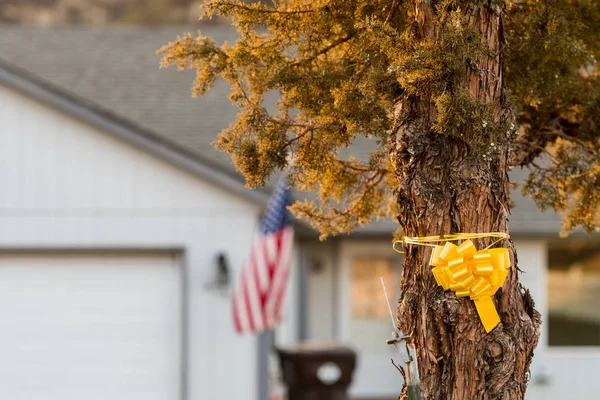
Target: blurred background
<point>122,232</point>
<point>52,13</point>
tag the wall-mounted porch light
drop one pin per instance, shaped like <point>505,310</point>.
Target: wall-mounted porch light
<point>221,273</point>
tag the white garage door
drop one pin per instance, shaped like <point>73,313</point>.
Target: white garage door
<point>90,326</point>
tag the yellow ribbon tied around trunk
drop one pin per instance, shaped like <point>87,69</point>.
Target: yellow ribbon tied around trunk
<point>469,272</point>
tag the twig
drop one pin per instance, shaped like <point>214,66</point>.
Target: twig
<point>399,368</point>
<point>393,8</point>
<point>324,50</point>
<point>580,142</point>
<point>389,306</point>
<point>262,9</point>
<point>403,391</point>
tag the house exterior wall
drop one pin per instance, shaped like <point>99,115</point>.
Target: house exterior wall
<point>375,376</point>
<point>65,185</point>
<point>555,373</point>
<point>329,311</point>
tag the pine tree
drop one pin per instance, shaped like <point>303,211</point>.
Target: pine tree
<point>453,94</point>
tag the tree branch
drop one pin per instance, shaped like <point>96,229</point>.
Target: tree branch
<point>530,145</point>
<point>583,144</point>
<point>324,50</point>
<point>261,9</point>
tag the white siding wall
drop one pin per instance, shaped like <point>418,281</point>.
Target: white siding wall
<point>532,261</point>
<point>375,376</point>
<point>556,373</point>
<point>64,184</point>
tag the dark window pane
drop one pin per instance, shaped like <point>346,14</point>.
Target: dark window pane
<point>574,293</point>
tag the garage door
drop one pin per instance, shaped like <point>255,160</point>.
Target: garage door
<point>90,326</point>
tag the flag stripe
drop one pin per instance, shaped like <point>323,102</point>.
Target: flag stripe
<point>269,311</point>
<point>258,300</point>
<point>247,304</point>
<point>280,280</point>
<point>271,251</point>
<point>256,303</point>
<point>259,289</point>
<point>280,298</point>
<point>262,268</point>
<point>242,313</point>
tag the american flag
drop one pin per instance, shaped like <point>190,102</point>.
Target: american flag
<point>258,299</point>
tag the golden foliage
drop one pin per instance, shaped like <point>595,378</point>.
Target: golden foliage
<point>339,66</point>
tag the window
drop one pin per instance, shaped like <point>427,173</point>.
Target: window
<point>574,293</point>
<point>370,317</point>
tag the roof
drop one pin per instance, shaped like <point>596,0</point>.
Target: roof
<point>111,79</point>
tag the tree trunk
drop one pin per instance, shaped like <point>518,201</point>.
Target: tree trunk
<point>443,189</point>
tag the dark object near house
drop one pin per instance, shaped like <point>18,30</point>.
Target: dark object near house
<point>317,372</point>
<point>222,278</point>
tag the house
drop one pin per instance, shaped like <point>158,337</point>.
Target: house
<point>115,210</point>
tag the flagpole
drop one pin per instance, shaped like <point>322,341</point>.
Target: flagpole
<point>264,346</point>
<point>263,365</point>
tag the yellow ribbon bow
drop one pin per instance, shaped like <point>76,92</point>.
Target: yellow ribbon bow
<point>471,273</point>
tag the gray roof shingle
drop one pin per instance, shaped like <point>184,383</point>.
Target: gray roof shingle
<point>116,71</point>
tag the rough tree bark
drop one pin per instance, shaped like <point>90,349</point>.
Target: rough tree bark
<point>443,189</point>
